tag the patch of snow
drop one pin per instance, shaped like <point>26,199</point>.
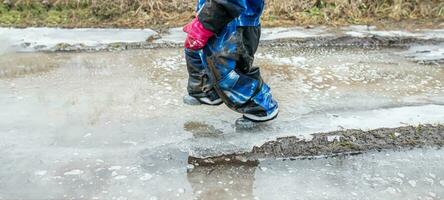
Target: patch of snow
<point>357,34</point>
<point>395,34</point>
<point>429,181</point>
<point>360,28</point>
<point>113,168</point>
<point>433,34</point>
<point>362,31</point>
<point>120,177</point>
<point>114,174</point>
<point>391,190</point>
<point>73,172</point>
<point>190,167</point>
<point>432,175</point>
<point>293,60</point>
<point>177,36</point>
<point>130,143</point>
<point>181,190</point>
<point>174,35</point>
<point>362,34</point>
<point>40,173</point>
<point>47,38</point>
<point>295,32</point>
<point>87,135</point>
<point>30,39</point>
<point>426,53</point>
<point>398,116</point>
<point>146,177</point>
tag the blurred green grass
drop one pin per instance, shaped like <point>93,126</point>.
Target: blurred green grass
<point>170,13</point>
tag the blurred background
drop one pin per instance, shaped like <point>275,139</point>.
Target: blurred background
<point>173,13</point>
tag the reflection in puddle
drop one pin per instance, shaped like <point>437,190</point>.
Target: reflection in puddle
<point>222,182</point>
<point>201,129</point>
<point>16,65</point>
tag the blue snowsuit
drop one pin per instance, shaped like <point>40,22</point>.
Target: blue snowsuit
<point>224,68</point>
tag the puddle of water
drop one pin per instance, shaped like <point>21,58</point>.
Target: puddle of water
<point>349,79</point>
<point>164,174</point>
<point>112,124</point>
<point>14,65</point>
<point>387,175</point>
<point>134,97</point>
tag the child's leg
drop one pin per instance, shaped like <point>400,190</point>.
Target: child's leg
<point>200,86</point>
<point>262,106</point>
<point>229,57</point>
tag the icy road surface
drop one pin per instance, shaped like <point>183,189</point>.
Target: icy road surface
<point>111,125</point>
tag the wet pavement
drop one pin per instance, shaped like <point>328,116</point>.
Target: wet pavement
<point>111,125</point>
